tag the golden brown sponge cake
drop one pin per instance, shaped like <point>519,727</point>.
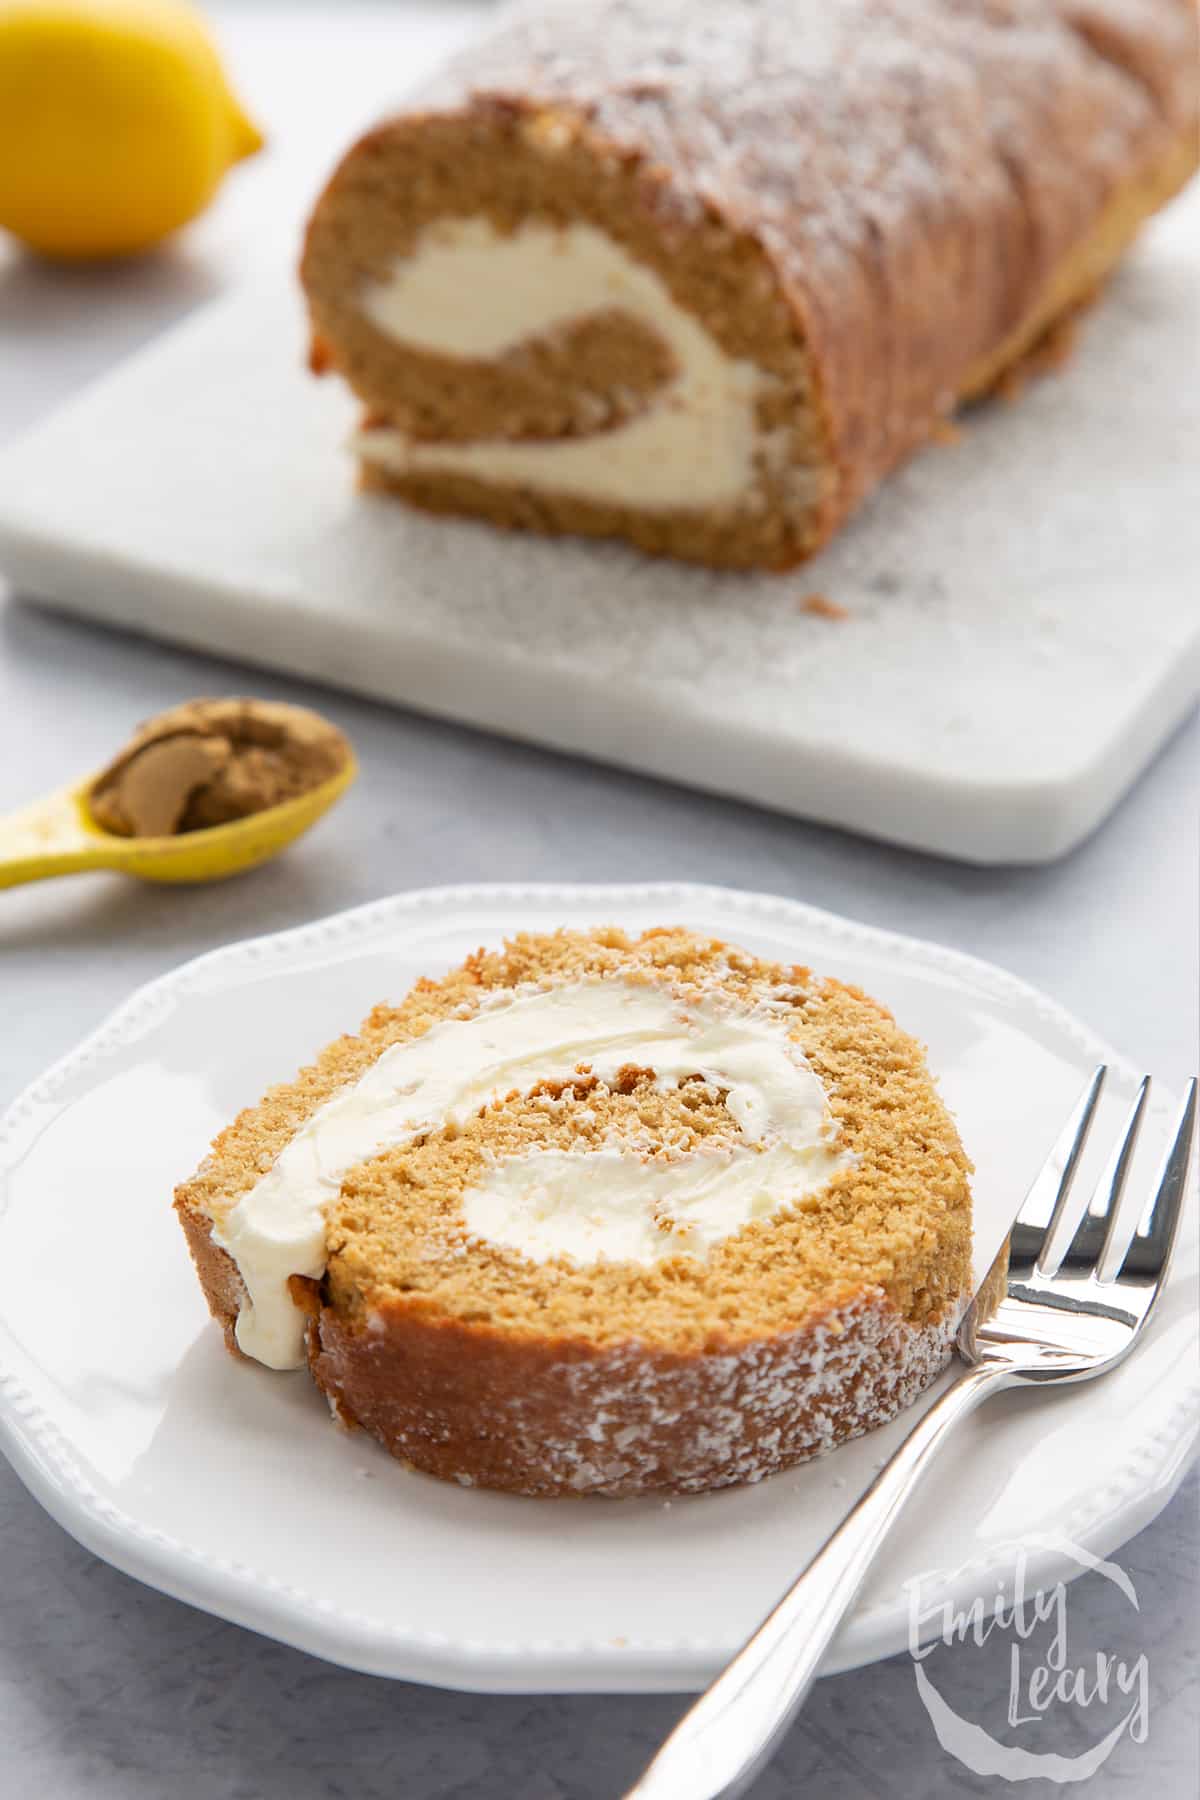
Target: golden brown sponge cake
<point>698,273</point>
<point>599,1214</point>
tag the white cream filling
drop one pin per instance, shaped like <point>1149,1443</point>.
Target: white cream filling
<point>470,291</point>
<point>613,1205</point>
<point>585,1205</point>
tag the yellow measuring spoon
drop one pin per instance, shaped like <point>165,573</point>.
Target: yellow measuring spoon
<point>57,835</point>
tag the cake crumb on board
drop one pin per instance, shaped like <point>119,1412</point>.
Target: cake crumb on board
<point>822,607</point>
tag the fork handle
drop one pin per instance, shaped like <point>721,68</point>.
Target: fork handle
<point>726,1738</point>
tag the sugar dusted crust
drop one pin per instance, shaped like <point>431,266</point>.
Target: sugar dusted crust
<point>886,204</point>
<point>470,1362</point>
<point>470,1405</point>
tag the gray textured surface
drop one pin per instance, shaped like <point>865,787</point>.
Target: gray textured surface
<point>111,1692</point>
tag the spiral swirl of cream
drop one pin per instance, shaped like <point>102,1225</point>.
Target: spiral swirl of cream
<point>613,1203</point>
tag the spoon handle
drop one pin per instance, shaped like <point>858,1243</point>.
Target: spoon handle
<point>51,837</point>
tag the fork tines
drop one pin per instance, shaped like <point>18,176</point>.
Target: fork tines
<point>1106,1235</point>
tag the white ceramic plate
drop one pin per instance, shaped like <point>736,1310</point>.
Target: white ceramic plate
<point>227,1485</point>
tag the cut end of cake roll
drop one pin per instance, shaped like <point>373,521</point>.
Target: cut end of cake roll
<point>544,339</point>
<point>599,1214</point>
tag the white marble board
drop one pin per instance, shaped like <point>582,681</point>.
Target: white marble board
<point>1022,629</point>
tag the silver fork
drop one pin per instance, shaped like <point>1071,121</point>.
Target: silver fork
<point>1064,1317</point>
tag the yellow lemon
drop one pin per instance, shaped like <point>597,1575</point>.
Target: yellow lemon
<point>116,123</point>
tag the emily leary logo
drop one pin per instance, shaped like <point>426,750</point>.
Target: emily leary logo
<point>1041,1675</point>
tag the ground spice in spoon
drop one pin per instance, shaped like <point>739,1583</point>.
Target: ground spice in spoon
<point>212,761</point>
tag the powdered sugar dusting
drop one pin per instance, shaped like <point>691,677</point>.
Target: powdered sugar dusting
<point>632,1420</point>
<point>955,150</point>
<point>739,1416</point>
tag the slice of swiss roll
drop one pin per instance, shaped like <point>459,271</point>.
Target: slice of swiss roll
<point>599,1214</point>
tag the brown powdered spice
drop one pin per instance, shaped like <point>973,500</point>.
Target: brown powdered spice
<point>209,762</point>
